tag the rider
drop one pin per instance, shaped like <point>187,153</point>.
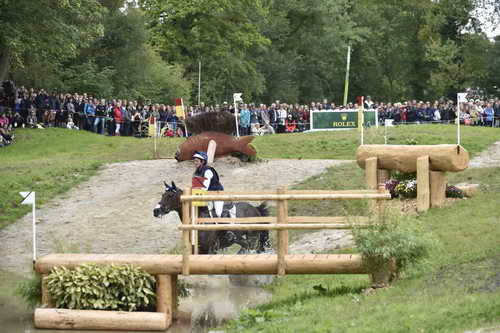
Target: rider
<point>207,178</point>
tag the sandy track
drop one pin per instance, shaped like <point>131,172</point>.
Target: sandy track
<point>112,212</point>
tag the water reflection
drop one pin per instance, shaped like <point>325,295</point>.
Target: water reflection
<point>213,300</point>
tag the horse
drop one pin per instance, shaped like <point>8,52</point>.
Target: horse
<point>210,242</point>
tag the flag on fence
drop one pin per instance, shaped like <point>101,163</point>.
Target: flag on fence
<point>179,108</point>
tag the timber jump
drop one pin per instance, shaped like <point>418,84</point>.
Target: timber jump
<point>166,268</point>
<point>430,162</point>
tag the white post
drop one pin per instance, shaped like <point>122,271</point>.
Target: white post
<point>29,199</point>
<point>236,119</point>
<point>385,133</point>
<point>458,121</point>
<point>34,229</point>
<point>461,97</point>
<point>154,137</point>
<point>236,98</point>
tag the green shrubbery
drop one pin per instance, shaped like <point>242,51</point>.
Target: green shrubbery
<point>390,239</point>
<point>31,290</point>
<point>92,287</point>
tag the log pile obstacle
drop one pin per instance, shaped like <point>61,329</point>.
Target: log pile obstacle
<point>430,162</point>
<point>166,268</point>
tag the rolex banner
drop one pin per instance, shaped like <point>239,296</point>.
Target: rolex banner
<point>347,119</point>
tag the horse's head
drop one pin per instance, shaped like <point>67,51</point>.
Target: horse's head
<point>170,200</point>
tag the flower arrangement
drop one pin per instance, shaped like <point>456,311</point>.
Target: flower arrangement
<point>404,185</point>
<point>407,188</point>
<point>390,186</point>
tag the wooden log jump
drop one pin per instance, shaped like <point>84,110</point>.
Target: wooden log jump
<point>162,264</point>
<point>403,158</point>
<point>167,267</point>
<point>430,163</point>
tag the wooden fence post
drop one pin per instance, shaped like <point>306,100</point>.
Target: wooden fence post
<point>438,188</point>
<point>195,233</point>
<point>186,220</point>
<point>423,188</point>
<point>282,217</point>
<point>371,173</point>
<point>383,176</point>
<point>164,297</point>
<point>46,301</point>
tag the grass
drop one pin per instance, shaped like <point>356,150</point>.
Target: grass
<point>456,289</point>
<point>53,160</point>
<point>343,144</point>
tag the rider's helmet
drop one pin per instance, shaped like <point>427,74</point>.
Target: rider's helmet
<point>201,155</point>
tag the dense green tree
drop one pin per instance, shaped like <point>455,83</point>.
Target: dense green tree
<point>45,31</point>
<point>287,50</point>
<point>222,34</point>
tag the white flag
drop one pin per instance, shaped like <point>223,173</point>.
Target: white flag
<point>237,97</point>
<point>29,198</point>
<point>462,97</point>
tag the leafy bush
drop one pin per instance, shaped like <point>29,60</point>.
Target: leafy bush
<point>404,175</point>
<point>31,290</point>
<point>454,192</point>
<point>390,239</point>
<point>92,287</point>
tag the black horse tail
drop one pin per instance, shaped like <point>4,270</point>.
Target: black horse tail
<point>263,209</point>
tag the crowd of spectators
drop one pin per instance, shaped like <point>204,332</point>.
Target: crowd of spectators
<point>40,109</point>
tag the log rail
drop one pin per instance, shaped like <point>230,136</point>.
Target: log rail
<point>166,268</point>
<point>281,223</point>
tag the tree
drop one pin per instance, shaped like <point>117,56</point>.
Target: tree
<point>222,34</point>
<point>45,31</point>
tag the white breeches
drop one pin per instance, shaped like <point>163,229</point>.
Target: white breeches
<point>218,205</point>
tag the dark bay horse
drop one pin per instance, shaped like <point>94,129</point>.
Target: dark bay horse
<point>210,242</point>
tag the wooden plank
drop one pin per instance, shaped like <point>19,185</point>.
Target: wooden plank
<point>278,226</point>
<point>371,173</point>
<point>46,301</point>
<point>195,233</point>
<point>438,183</point>
<point>383,176</point>
<point>175,295</point>
<point>328,219</point>
<point>50,318</point>
<point>423,187</point>
<point>272,192</point>
<point>291,219</point>
<point>257,197</point>
<point>282,212</point>
<point>214,264</point>
<point>238,220</point>
<point>186,220</point>
<point>164,301</point>
<point>404,157</point>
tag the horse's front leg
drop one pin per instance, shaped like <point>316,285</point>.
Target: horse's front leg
<point>241,241</point>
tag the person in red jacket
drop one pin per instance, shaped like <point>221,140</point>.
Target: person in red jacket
<point>117,115</point>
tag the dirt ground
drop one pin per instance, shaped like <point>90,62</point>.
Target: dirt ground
<point>112,212</point>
